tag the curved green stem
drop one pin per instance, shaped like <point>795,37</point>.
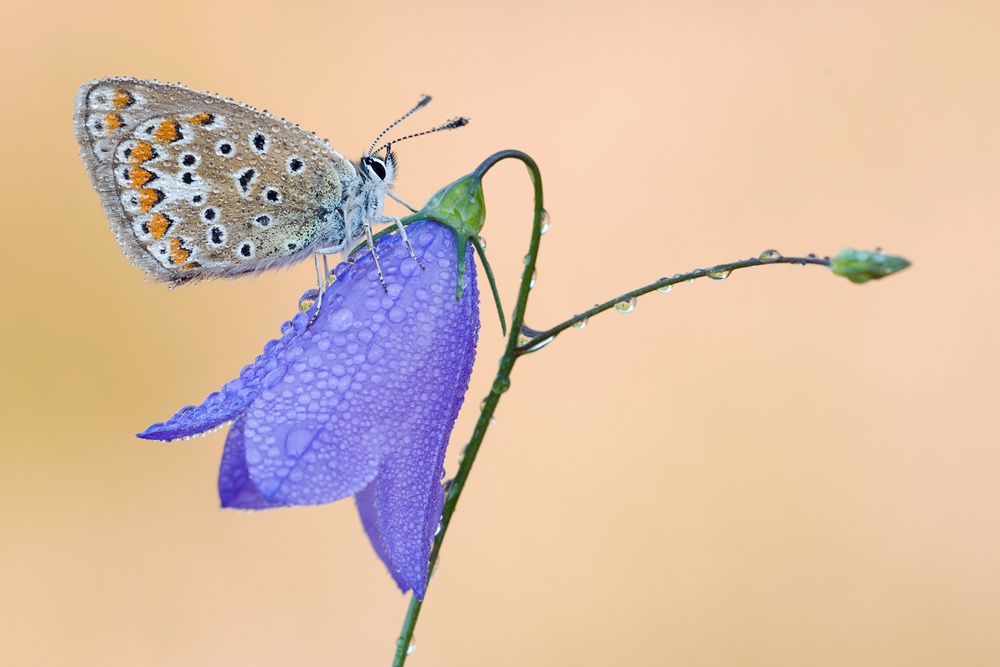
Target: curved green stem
<point>546,336</point>
<point>500,385</point>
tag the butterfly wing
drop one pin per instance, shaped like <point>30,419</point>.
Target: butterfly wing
<point>198,186</point>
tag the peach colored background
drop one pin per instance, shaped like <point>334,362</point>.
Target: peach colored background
<point>782,469</point>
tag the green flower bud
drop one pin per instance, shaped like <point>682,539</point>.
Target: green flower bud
<point>860,266</point>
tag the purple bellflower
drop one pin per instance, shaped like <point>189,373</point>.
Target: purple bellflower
<point>360,402</point>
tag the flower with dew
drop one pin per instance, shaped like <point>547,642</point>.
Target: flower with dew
<point>359,402</point>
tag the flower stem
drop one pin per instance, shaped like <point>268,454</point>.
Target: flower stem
<point>547,335</point>
<point>500,385</point>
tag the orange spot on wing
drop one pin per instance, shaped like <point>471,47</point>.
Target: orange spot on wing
<point>139,177</point>
<point>122,99</point>
<point>177,253</point>
<point>168,130</point>
<point>158,226</point>
<point>143,151</point>
<point>190,266</point>
<point>148,198</point>
<point>113,122</point>
<point>201,118</point>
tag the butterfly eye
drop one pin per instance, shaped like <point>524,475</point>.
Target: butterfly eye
<point>377,166</point>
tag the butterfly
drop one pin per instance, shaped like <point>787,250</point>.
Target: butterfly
<point>197,186</point>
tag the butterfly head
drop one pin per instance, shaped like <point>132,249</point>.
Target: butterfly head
<point>379,170</point>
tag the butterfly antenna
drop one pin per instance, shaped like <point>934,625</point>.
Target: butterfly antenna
<point>424,101</point>
<point>450,125</point>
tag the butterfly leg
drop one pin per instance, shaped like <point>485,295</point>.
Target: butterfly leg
<point>400,200</point>
<point>371,248</point>
<point>321,284</point>
<point>387,219</point>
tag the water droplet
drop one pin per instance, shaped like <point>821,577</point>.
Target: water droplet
<point>689,281</point>
<point>665,288</point>
<point>435,567</point>
<point>527,258</point>
<point>546,223</point>
<point>285,326</point>
<point>624,305</point>
<point>482,404</point>
<point>501,384</point>
<point>413,645</point>
<point>527,333</point>
<point>769,255</point>
<point>534,279</point>
<point>812,255</point>
<point>482,241</point>
<point>715,274</point>
<point>582,324</point>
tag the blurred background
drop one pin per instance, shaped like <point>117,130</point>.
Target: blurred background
<point>780,469</point>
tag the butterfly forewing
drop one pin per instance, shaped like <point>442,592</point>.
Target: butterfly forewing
<point>198,186</point>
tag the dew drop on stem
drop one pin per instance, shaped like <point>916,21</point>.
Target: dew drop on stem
<point>526,334</point>
<point>624,305</point>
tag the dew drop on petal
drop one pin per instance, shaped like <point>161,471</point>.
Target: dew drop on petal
<point>340,270</point>
<point>396,314</point>
<point>340,320</point>
<point>409,267</point>
<point>624,305</point>
<point>307,300</point>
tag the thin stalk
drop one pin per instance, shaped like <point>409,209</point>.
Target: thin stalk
<point>547,335</point>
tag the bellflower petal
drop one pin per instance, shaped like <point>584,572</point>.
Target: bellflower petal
<point>361,401</point>
<point>235,488</point>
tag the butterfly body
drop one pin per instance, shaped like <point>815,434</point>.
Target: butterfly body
<point>197,186</point>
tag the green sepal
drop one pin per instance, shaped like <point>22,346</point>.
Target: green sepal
<point>461,206</point>
<point>860,266</point>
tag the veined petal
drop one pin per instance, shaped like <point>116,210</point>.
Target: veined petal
<point>377,375</point>
<point>235,488</point>
<point>361,401</point>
